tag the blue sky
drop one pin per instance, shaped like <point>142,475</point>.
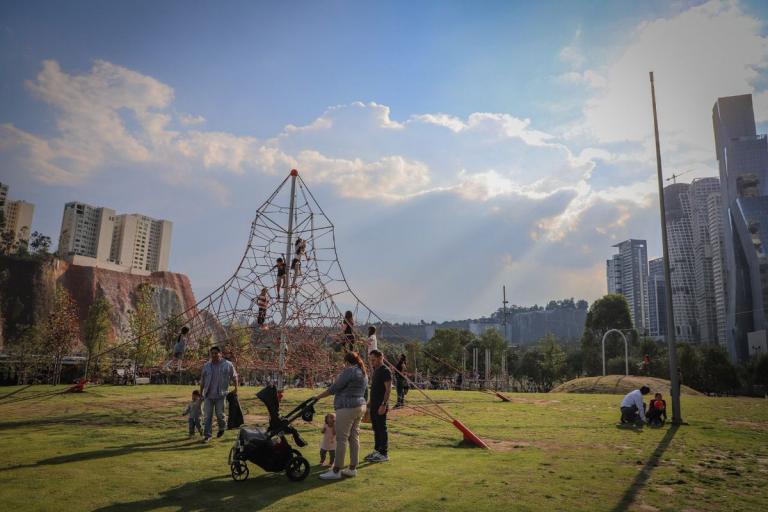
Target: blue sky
<point>457,146</point>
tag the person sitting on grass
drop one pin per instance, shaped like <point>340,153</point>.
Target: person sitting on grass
<point>633,408</point>
<point>657,411</point>
<point>193,412</point>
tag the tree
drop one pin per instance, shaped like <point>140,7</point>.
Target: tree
<point>609,312</point>
<point>25,347</point>
<point>718,374</point>
<point>530,366</point>
<point>759,370</point>
<point>97,328</point>
<point>144,328</point>
<point>492,340</point>
<point>552,361</point>
<point>689,362</point>
<point>40,244</point>
<point>61,329</point>
<point>447,345</point>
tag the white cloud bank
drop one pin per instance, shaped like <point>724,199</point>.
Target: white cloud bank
<point>710,50</point>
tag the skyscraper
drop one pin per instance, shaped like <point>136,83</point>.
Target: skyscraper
<point>627,274</point>
<point>657,297</point>
<point>613,274</point>
<point>703,271</point>
<point>680,237</point>
<point>715,219</point>
<point>742,156</point>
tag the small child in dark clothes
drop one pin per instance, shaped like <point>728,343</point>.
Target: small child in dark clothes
<point>657,411</point>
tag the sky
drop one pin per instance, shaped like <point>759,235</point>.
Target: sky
<point>456,146</point>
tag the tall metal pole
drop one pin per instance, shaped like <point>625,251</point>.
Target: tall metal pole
<point>287,283</point>
<point>674,378</point>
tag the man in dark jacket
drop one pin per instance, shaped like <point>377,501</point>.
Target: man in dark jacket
<point>381,386</point>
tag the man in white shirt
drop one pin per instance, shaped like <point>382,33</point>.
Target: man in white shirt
<point>632,406</point>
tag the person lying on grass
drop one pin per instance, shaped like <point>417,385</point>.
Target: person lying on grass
<point>633,408</point>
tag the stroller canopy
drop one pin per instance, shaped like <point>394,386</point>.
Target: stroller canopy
<point>268,396</point>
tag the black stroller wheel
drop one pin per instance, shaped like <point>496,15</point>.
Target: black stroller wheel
<point>298,469</point>
<point>239,471</point>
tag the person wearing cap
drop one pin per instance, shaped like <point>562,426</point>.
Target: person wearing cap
<point>632,406</point>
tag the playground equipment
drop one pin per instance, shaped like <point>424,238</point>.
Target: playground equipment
<point>302,317</point>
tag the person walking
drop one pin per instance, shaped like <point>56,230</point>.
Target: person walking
<point>349,390</point>
<point>381,387</point>
<point>214,381</point>
<point>401,367</point>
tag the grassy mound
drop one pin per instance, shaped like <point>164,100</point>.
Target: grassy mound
<point>121,449</point>
<point>619,385</point>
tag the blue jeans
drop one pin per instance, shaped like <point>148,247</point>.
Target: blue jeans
<point>194,425</point>
<point>209,404</point>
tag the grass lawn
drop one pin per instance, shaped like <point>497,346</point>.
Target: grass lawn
<point>125,449</point>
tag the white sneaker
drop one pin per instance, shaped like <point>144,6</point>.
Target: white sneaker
<point>348,472</point>
<point>331,475</point>
<point>371,455</point>
<point>379,458</point>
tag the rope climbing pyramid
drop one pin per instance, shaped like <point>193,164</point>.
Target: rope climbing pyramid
<point>282,307</point>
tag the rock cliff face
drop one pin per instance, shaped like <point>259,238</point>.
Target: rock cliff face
<point>29,284</point>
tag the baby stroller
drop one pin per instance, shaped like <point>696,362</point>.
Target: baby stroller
<point>269,449</point>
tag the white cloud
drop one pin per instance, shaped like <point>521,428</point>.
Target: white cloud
<point>572,54</point>
<point>113,117</point>
<point>589,77</point>
<point>189,119</point>
<point>711,50</point>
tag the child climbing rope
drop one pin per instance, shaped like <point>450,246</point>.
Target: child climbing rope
<point>262,302</point>
<point>296,269</point>
<point>281,277</point>
<point>301,248</point>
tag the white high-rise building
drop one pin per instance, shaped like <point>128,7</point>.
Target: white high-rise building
<point>657,299</point>
<point>715,219</point>
<point>18,220</point>
<point>627,274</point>
<point>680,237</point>
<point>18,216</point>
<point>86,231</point>
<point>703,256</point>
<point>94,236</point>
<point>141,242</point>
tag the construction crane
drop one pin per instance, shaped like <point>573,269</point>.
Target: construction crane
<point>674,176</point>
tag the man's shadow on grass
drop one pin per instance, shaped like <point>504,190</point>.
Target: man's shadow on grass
<point>642,477</point>
<point>157,446</point>
<point>222,493</point>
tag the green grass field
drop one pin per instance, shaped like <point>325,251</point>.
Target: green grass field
<point>126,449</point>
